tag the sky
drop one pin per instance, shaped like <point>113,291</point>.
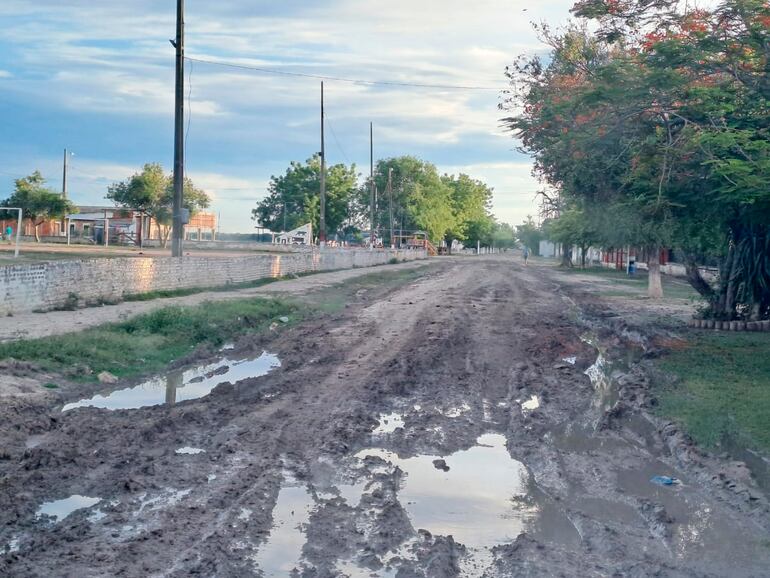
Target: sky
<point>97,78</point>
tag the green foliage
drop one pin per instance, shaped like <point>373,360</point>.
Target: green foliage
<point>445,207</point>
<point>151,191</point>
<point>471,204</point>
<point>529,235</point>
<point>294,197</point>
<point>663,132</point>
<point>149,342</point>
<point>37,202</point>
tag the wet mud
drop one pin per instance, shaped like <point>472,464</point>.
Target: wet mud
<point>484,420</point>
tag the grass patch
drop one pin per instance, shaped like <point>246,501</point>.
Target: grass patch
<point>149,342</point>
<point>163,294</point>
<point>724,389</point>
<point>673,287</point>
<point>50,386</point>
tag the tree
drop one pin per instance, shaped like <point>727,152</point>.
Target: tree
<point>430,207</point>
<point>471,200</point>
<point>151,192</point>
<point>574,228</point>
<point>529,235</point>
<point>501,236</point>
<point>38,203</point>
<point>294,197</point>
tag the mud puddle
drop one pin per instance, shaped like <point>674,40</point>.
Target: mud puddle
<point>187,450</point>
<point>181,385</point>
<point>474,495</point>
<point>281,552</point>
<point>389,422</point>
<point>60,509</point>
<point>480,496</point>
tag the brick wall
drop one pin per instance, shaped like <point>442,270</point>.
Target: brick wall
<point>51,285</point>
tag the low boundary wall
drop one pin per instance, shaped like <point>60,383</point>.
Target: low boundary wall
<point>58,284</point>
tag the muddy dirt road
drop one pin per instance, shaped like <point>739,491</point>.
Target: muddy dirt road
<point>482,420</point>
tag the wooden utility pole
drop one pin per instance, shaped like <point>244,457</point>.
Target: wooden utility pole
<point>177,231</point>
<point>322,227</point>
<point>390,200</point>
<point>371,182</point>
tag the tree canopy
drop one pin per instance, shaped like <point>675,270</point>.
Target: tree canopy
<point>656,117</point>
<point>446,207</point>
<point>294,198</point>
<point>38,202</point>
<point>151,191</point>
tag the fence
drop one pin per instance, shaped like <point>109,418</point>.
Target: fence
<point>56,284</point>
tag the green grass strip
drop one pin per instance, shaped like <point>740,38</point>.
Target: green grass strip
<point>149,342</point>
<point>724,388</point>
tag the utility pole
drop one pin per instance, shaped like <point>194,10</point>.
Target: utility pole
<point>322,227</point>
<point>64,177</point>
<point>390,195</point>
<point>177,231</point>
<point>371,182</point>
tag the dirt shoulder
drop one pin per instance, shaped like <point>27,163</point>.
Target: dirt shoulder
<point>35,325</point>
<point>462,424</point>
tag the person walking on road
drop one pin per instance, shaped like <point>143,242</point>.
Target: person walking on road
<point>525,254</point>
<point>9,234</point>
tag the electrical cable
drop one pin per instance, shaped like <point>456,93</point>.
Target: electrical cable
<point>189,110</point>
<point>341,79</point>
<point>336,140</point>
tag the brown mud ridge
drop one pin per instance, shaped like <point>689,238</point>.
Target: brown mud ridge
<point>485,420</point>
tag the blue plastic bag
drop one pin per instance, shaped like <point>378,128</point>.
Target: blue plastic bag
<point>664,480</point>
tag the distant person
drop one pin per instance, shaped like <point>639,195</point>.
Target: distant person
<point>9,234</point>
<point>525,254</point>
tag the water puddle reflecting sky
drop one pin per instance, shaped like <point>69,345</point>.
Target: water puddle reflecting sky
<point>181,385</point>
<point>280,554</point>
<point>60,509</point>
<point>187,450</point>
<point>389,422</point>
<point>474,501</point>
<point>532,403</point>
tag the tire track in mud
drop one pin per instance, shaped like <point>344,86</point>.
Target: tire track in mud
<point>467,345</point>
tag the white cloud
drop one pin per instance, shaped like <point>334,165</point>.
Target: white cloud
<point>113,60</point>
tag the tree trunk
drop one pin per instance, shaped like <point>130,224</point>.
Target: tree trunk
<point>37,231</point>
<point>655,286</point>
<point>166,235</point>
<point>731,290</point>
<point>583,257</point>
<point>725,272</point>
<point>160,234</point>
<point>694,278</point>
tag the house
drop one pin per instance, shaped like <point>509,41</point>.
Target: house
<point>300,236</point>
<point>123,227</point>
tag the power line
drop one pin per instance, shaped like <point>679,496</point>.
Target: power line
<point>189,108</point>
<point>336,140</point>
<point>342,79</point>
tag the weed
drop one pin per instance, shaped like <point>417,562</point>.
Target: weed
<point>50,385</point>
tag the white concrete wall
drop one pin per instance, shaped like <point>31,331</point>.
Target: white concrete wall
<point>51,285</point>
